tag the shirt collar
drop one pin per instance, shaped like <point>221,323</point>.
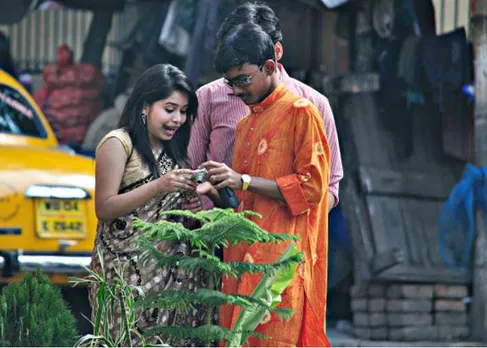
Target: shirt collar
<point>282,73</point>
<point>269,100</point>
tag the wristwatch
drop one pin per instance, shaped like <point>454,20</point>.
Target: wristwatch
<point>245,182</point>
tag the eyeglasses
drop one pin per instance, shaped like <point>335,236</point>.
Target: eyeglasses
<point>242,80</point>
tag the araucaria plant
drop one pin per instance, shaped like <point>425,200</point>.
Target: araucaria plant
<point>217,228</point>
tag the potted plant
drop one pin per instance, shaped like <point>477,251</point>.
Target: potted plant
<point>216,228</point>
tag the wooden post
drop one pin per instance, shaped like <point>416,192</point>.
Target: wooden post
<point>354,207</point>
<point>479,40</point>
<point>363,42</point>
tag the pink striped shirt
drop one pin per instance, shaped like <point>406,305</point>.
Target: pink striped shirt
<point>213,133</point>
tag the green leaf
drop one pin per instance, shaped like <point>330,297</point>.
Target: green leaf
<point>220,228</point>
<point>205,333</point>
<point>268,290</point>
<point>78,280</point>
<point>92,340</point>
<point>212,264</point>
<point>243,267</point>
<point>186,300</point>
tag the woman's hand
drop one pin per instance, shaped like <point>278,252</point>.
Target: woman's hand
<point>194,205</point>
<point>177,180</point>
<point>220,175</point>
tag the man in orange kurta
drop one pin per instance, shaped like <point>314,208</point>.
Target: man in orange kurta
<point>281,170</point>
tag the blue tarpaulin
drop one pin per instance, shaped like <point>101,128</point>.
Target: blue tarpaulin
<point>456,222</point>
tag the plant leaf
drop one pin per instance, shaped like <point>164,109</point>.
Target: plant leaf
<point>206,333</point>
<point>268,290</point>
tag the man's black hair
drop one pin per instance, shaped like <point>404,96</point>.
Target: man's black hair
<point>246,43</point>
<point>259,14</point>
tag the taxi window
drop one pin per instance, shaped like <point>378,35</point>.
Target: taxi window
<point>17,117</point>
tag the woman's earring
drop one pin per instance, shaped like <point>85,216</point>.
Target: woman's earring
<point>144,119</point>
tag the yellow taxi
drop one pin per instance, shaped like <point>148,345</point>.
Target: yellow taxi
<point>47,215</point>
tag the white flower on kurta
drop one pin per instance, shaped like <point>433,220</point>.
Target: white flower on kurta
<point>306,177</point>
<point>262,148</point>
<point>248,258</point>
<point>319,148</point>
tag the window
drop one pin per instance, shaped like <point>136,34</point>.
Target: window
<point>17,117</point>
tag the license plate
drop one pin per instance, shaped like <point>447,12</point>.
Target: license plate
<point>61,218</point>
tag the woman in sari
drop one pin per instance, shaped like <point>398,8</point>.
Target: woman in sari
<point>141,171</point>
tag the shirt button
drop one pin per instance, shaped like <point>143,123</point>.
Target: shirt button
<point>251,128</point>
<point>248,144</point>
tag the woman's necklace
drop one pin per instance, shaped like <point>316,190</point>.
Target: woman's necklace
<point>157,150</point>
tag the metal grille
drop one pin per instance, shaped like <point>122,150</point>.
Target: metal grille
<point>35,39</point>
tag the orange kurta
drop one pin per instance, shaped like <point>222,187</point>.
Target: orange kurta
<point>284,139</point>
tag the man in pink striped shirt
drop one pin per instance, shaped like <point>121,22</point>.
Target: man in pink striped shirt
<point>219,111</point>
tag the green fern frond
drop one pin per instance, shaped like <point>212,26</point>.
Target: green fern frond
<point>212,264</point>
<point>218,213</point>
<point>192,264</point>
<point>250,213</point>
<point>169,231</point>
<point>264,268</point>
<point>207,215</point>
<point>163,230</point>
<point>206,262</point>
<point>149,252</point>
<point>204,215</point>
<point>167,299</point>
<point>235,229</point>
<point>205,333</point>
<point>181,300</point>
<point>170,299</point>
<point>206,255</point>
<point>230,229</point>
<point>185,214</point>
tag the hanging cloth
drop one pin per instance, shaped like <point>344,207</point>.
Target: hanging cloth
<point>446,63</point>
<point>456,222</point>
<point>383,17</point>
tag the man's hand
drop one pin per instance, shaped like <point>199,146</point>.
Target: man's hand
<point>220,175</point>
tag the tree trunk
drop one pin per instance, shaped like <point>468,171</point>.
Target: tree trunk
<point>479,40</point>
<point>96,39</point>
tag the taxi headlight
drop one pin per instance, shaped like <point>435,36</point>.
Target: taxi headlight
<point>59,192</point>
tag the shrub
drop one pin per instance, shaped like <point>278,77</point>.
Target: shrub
<point>34,314</point>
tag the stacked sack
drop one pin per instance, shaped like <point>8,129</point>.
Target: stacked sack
<point>74,96</point>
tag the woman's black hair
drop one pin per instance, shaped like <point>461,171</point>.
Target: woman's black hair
<point>156,83</point>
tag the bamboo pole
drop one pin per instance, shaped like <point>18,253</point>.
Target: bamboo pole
<point>478,20</point>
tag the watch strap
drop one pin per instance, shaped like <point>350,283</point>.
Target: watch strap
<point>245,182</point>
